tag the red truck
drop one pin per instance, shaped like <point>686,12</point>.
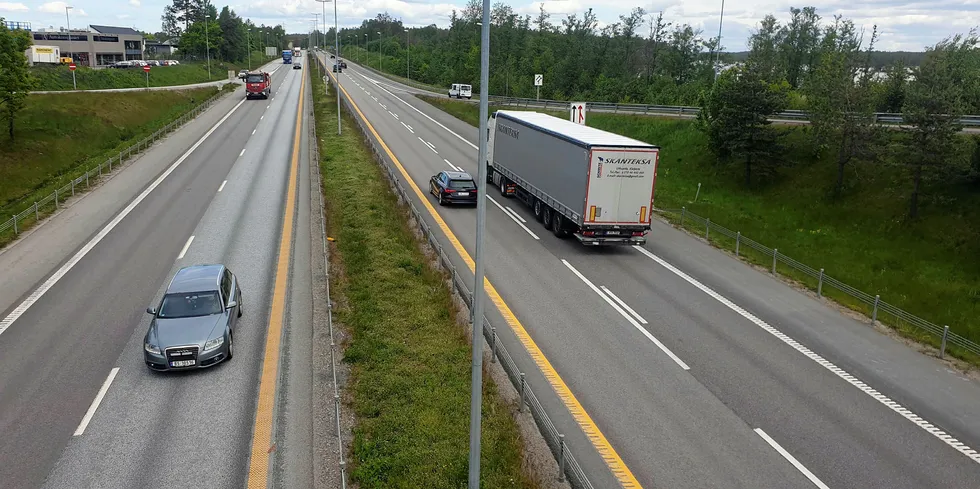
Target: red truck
<point>258,84</point>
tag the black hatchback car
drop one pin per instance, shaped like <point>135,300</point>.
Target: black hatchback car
<point>453,187</point>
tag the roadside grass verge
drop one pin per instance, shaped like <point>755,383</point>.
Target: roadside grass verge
<point>61,136</point>
<point>409,357</point>
<point>928,266</point>
<point>59,77</point>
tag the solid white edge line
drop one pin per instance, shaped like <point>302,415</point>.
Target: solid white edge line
<point>624,304</point>
<point>623,313</point>
<point>53,279</point>
<point>791,459</point>
<point>863,387</point>
<point>519,223</point>
<point>515,214</point>
<point>95,403</point>
<point>187,245</point>
<point>222,187</point>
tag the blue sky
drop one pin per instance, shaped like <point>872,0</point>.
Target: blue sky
<point>903,24</point>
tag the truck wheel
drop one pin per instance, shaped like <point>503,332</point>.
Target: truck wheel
<point>558,225</point>
<point>546,217</point>
<point>538,210</point>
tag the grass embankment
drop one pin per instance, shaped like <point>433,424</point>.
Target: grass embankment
<point>927,266</point>
<point>59,77</point>
<point>410,359</point>
<point>60,136</point>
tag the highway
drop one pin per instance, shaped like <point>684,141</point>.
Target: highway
<point>78,407</point>
<point>697,370</point>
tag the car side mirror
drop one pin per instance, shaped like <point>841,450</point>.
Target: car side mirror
<point>151,310</point>
<point>231,304</point>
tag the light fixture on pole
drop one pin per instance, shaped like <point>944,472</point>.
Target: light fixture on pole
<point>336,47</point>
<point>71,52</point>
<point>476,374</point>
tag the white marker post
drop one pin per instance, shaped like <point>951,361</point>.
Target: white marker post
<point>538,81</point>
<point>576,112</point>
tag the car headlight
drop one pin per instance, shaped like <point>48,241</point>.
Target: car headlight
<point>151,348</point>
<point>214,343</point>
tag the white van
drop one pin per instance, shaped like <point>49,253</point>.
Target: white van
<point>459,90</point>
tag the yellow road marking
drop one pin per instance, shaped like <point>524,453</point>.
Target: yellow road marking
<point>258,465</point>
<point>585,422</point>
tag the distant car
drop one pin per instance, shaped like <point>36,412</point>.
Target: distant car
<point>343,64</point>
<point>242,74</point>
<point>332,56</point>
<point>196,320</point>
<point>297,66</point>
<point>336,68</point>
<point>460,90</point>
<point>453,187</point>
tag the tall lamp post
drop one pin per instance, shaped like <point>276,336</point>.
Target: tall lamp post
<point>721,18</point>
<point>74,86</point>
<point>248,44</point>
<point>408,53</point>
<point>336,47</point>
<point>476,377</point>
<point>381,46</point>
<point>207,40</point>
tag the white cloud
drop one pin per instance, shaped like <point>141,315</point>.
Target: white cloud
<point>59,8</point>
<point>135,3</point>
<point>13,7</point>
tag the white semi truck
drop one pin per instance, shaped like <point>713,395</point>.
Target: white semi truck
<point>581,181</point>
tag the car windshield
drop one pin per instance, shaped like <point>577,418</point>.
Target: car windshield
<point>462,184</point>
<point>255,79</point>
<point>190,304</point>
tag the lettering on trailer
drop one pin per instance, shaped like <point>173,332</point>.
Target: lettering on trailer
<point>510,131</point>
<point>626,167</point>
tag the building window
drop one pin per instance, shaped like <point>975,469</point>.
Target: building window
<point>133,46</point>
<point>105,38</point>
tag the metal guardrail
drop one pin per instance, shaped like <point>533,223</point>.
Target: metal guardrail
<point>684,111</point>
<point>878,306</point>
<point>315,151</point>
<point>568,466</point>
<point>53,201</point>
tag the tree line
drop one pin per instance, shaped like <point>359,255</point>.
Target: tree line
<point>198,26</point>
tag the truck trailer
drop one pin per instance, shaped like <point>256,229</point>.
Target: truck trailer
<point>287,57</point>
<point>579,181</point>
<point>43,55</point>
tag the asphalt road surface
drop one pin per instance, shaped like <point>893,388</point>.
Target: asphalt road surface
<point>218,196</point>
<point>698,370</point>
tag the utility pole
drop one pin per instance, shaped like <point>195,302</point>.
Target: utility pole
<point>74,86</point>
<point>476,377</point>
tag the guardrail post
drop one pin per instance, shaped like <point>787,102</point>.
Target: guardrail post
<point>520,408</point>
<point>109,162</point>
<point>86,179</point>
<point>56,206</point>
<point>820,284</point>
<point>707,226</point>
<point>493,344</point>
<point>942,348</point>
<point>774,253</point>
<point>561,457</point>
<point>16,233</point>
<point>100,170</point>
<point>683,214</point>
<point>874,313</point>
<point>738,242</point>
<point>37,216</point>
<point>120,157</point>
<point>73,186</point>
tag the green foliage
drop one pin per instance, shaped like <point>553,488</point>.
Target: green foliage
<point>15,78</point>
<point>59,78</point>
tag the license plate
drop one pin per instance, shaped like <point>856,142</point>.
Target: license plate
<point>182,363</point>
<point>613,232</point>
<point>464,194</point>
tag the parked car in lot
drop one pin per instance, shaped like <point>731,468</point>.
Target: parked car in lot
<point>194,325</point>
<point>453,187</point>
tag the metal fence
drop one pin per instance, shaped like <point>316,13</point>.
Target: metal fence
<point>568,466</point>
<point>315,149</point>
<point>878,307</point>
<point>54,200</point>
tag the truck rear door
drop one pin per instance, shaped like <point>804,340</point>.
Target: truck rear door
<point>620,186</point>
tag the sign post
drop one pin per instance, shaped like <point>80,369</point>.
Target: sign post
<point>71,66</point>
<point>576,112</point>
<point>146,69</point>
<point>538,81</point>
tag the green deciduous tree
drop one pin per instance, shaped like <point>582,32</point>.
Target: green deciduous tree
<point>934,103</point>
<point>16,80</point>
<point>841,97</point>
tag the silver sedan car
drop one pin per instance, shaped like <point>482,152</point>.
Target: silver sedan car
<point>194,325</point>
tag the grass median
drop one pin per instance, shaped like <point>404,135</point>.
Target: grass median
<point>409,357</point>
<point>926,266</point>
<point>61,136</point>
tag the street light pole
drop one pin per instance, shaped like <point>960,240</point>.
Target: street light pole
<point>721,18</point>
<point>248,43</point>
<point>74,86</point>
<point>336,47</point>
<point>408,53</point>
<point>207,40</point>
<point>381,45</point>
<point>476,377</point>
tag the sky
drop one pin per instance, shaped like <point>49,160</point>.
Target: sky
<point>903,25</point>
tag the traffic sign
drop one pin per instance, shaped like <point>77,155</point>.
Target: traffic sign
<point>538,80</point>
<point>576,112</point>
<point>146,68</point>
<point>71,66</point>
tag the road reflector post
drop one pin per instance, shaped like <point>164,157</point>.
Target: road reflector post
<point>15,228</point>
<point>707,227</point>
<point>820,284</point>
<point>942,348</point>
<point>683,213</point>
<point>561,457</point>
<point>493,344</point>
<point>874,313</point>
<point>520,407</point>
<point>37,215</point>
<point>56,198</point>
<point>738,242</point>
<point>774,253</point>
